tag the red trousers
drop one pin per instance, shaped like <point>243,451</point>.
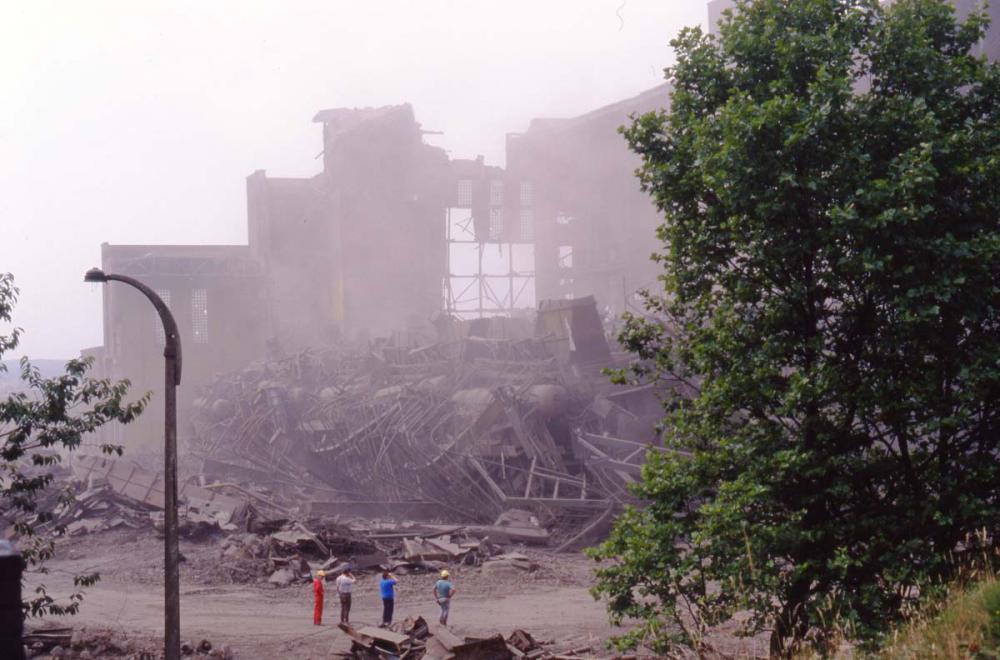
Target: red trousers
<point>318,610</point>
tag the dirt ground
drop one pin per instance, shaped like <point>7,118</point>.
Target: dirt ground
<point>262,621</point>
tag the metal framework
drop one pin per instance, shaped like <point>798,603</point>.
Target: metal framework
<point>471,295</point>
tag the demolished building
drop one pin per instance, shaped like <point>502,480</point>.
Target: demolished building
<point>410,333</point>
<point>466,427</point>
<point>391,237</point>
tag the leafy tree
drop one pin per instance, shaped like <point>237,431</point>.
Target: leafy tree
<point>829,173</point>
<point>42,419</point>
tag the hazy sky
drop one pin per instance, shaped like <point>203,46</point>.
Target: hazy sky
<point>137,122</point>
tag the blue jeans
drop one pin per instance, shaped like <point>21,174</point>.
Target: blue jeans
<point>445,604</point>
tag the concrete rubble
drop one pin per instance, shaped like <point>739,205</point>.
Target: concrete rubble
<point>415,639</point>
<point>489,416</point>
<point>403,457</point>
<point>254,547</point>
<point>409,455</point>
<point>84,644</point>
<point>295,553</point>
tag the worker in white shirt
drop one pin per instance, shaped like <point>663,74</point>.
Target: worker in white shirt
<point>345,585</point>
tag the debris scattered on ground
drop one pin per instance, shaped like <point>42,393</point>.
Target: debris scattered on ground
<point>487,419</point>
<point>287,545</point>
<point>85,644</point>
<point>489,439</point>
<point>414,638</point>
<point>472,452</point>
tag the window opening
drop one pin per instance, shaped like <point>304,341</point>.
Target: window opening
<point>496,193</point>
<point>565,256</point>
<point>526,193</point>
<point>527,225</point>
<point>199,316</point>
<point>464,193</point>
<point>496,224</point>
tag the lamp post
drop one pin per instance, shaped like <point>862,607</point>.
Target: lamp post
<point>172,359</point>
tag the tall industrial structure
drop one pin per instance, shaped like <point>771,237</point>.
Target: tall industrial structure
<point>393,234</point>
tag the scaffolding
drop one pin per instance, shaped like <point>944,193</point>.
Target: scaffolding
<point>473,287</point>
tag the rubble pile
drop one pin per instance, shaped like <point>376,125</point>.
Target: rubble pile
<point>483,420</point>
<point>95,493</point>
<point>99,509</point>
<point>295,552</point>
<point>85,644</point>
<point>76,506</point>
<point>254,547</point>
<point>415,639</point>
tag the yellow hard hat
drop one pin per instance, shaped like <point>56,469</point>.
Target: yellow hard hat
<point>444,573</point>
<point>321,573</point>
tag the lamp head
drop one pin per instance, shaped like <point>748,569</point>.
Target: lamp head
<point>95,275</point>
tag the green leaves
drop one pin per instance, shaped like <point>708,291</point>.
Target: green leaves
<point>829,176</point>
<point>44,418</point>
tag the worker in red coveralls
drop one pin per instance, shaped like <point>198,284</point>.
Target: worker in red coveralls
<point>318,594</point>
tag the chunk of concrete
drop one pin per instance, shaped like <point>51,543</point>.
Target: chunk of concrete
<point>282,577</point>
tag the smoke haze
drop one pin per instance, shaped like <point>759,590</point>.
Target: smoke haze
<point>138,123</point>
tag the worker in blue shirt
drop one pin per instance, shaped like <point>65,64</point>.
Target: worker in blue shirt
<point>443,591</point>
<point>387,586</point>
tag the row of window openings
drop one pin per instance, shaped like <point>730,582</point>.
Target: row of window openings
<point>199,316</point>
<point>527,225</point>
<point>496,193</point>
<point>565,259</point>
<point>199,297</point>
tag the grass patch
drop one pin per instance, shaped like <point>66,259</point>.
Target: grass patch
<point>965,625</point>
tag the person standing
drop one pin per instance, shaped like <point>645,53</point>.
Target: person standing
<point>387,587</point>
<point>318,593</point>
<point>345,585</point>
<point>444,590</point>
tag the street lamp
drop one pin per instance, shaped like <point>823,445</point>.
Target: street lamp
<point>172,358</point>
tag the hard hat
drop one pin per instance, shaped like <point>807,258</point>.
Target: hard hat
<point>320,573</point>
<point>444,573</point>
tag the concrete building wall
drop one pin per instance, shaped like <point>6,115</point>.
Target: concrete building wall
<point>387,192</point>
<point>213,293</point>
<point>594,228</point>
<point>293,236</point>
<point>358,249</point>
